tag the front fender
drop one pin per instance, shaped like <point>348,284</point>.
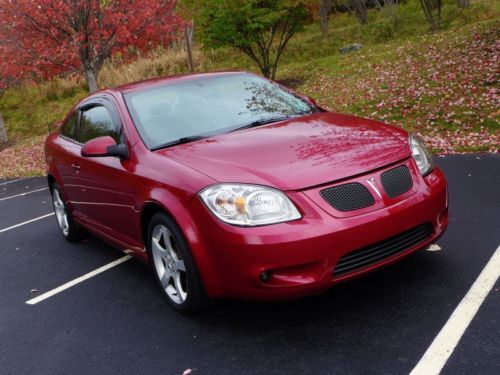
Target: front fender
<point>178,210</point>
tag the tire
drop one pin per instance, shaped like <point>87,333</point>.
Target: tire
<point>174,267</point>
<point>70,230</point>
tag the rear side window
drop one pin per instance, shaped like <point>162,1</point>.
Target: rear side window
<point>69,127</point>
<point>97,122</point>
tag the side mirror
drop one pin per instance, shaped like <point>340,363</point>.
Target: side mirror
<point>104,146</point>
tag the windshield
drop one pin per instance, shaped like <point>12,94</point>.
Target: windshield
<point>208,106</point>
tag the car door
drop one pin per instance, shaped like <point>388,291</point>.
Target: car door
<point>107,186</point>
<point>65,155</point>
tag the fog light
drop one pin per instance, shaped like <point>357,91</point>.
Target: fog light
<point>264,276</point>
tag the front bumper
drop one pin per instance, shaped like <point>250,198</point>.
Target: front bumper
<point>301,255</point>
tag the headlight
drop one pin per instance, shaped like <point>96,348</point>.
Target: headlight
<point>421,156</point>
<point>249,205</point>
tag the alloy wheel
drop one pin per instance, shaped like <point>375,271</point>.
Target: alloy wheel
<point>60,211</point>
<point>169,264</point>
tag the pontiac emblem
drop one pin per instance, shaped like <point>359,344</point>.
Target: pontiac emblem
<point>371,182</point>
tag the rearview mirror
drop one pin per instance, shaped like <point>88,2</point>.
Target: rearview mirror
<point>104,146</point>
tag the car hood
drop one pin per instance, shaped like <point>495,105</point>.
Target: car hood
<point>298,153</point>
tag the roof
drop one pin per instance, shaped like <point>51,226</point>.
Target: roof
<point>136,86</point>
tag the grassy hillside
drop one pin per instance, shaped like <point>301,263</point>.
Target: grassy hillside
<point>443,86</point>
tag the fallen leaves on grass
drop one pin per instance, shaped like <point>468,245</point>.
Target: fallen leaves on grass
<point>445,88</point>
<point>24,158</point>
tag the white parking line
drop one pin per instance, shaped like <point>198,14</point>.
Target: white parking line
<point>26,222</point>
<point>78,280</point>
<point>17,180</point>
<point>434,359</point>
<point>22,194</point>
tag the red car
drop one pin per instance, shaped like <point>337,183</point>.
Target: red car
<point>231,185</point>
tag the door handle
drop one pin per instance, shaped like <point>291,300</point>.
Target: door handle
<point>75,166</point>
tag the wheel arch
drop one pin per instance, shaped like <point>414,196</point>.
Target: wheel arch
<point>51,181</point>
<point>174,209</point>
<point>148,211</point>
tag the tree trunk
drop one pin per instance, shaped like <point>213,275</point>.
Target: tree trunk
<point>360,10</point>
<point>3,131</point>
<point>428,7</point>
<point>91,78</point>
<point>187,35</point>
<point>325,6</point>
<point>266,71</point>
<point>438,5</point>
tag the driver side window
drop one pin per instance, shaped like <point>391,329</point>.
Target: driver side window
<point>97,122</point>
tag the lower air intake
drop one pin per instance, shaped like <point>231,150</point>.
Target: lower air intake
<point>379,251</point>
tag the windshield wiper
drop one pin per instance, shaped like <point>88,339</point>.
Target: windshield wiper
<point>179,141</point>
<point>263,121</point>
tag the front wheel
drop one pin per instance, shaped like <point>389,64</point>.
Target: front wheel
<point>71,231</point>
<point>174,266</point>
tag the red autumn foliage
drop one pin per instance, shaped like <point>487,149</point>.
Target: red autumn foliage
<point>9,74</point>
<point>47,37</point>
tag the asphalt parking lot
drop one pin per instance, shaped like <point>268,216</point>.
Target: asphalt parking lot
<point>118,322</point>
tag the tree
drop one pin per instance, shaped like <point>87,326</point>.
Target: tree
<point>360,10</point>
<point>188,9</point>
<point>49,37</point>
<point>4,83</point>
<point>3,131</point>
<point>259,28</point>
<point>325,7</point>
<point>9,76</point>
<point>432,11</point>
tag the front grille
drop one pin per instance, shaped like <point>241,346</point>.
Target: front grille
<point>372,254</point>
<point>396,181</point>
<point>348,197</point>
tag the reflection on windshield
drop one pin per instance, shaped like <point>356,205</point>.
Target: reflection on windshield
<point>208,106</point>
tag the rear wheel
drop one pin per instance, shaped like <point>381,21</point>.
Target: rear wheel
<point>71,231</point>
<point>174,266</point>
